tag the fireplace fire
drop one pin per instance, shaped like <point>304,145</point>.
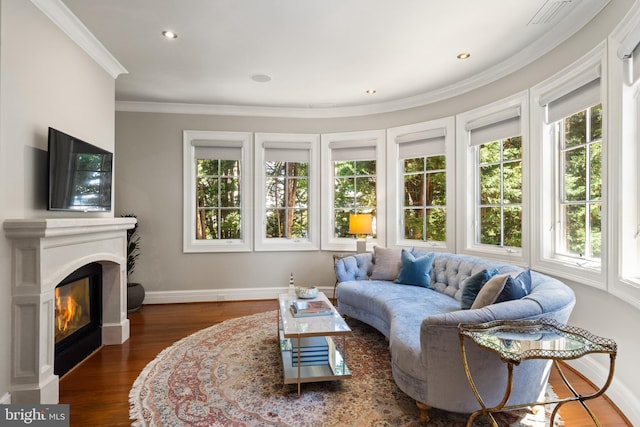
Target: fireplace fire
<point>73,308</point>
<point>77,322</point>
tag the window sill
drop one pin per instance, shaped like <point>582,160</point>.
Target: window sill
<point>508,255</point>
<point>286,245</point>
<point>203,246</point>
<point>586,273</point>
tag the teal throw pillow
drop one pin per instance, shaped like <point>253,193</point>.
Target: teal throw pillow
<point>516,287</point>
<point>415,271</point>
<point>472,285</point>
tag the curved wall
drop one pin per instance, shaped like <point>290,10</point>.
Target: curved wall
<point>149,180</point>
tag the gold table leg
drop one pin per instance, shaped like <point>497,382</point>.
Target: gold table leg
<point>582,398</point>
<point>484,410</point>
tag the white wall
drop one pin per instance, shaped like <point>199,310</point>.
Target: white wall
<point>149,160</point>
<point>45,80</point>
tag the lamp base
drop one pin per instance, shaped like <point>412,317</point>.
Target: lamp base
<point>361,246</point>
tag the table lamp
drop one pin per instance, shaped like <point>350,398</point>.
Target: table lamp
<point>360,225</point>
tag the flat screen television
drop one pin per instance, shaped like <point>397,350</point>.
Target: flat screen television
<point>79,174</point>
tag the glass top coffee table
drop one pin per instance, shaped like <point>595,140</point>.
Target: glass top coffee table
<point>518,340</point>
<point>309,352</point>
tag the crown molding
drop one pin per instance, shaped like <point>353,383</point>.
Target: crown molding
<point>584,13</point>
<point>60,15</point>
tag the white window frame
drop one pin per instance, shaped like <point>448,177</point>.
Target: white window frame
<point>434,129</point>
<point>545,188</point>
<point>624,111</point>
<point>467,176</point>
<point>197,138</point>
<point>355,140</point>
<point>284,141</point>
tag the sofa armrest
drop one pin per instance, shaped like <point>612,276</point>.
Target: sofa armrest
<point>436,327</point>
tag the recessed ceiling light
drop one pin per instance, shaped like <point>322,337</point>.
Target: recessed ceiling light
<point>261,78</point>
<point>168,34</point>
<point>464,55</point>
<point>371,91</point>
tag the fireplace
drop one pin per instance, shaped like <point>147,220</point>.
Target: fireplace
<point>45,253</point>
<point>77,317</point>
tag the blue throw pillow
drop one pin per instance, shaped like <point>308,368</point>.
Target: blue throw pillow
<point>415,271</point>
<point>472,285</point>
<point>516,287</point>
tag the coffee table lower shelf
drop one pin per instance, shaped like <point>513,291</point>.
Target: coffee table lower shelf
<point>334,368</point>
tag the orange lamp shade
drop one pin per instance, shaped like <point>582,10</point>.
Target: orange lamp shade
<point>360,224</point>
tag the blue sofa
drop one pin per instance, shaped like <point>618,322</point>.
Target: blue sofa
<point>421,324</point>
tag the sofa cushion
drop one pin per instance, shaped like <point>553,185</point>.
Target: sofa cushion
<point>505,287</point>
<point>491,291</point>
<point>415,270</point>
<point>386,263</point>
<point>472,285</point>
<point>516,287</point>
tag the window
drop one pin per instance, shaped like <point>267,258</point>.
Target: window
<point>216,191</point>
<point>499,192</point>
<point>286,192</point>
<point>353,182</point>
<point>287,204</point>
<point>570,155</point>
<point>628,185</point>
<point>492,194</point>
<point>217,199</point>
<point>625,158</point>
<point>425,198</point>
<point>579,138</point>
<point>420,179</point>
<point>354,192</point>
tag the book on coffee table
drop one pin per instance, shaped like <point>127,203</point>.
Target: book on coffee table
<point>310,350</point>
<point>310,308</point>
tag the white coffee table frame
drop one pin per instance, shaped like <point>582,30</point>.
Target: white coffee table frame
<point>327,326</point>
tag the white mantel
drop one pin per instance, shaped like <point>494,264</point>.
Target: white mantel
<point>45,251</point>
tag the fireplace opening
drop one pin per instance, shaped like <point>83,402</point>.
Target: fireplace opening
<point>77,317</point>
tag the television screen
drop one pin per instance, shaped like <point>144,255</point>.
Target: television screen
<point>79,174</point>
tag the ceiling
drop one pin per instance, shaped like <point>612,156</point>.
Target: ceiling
<point>322,54</point>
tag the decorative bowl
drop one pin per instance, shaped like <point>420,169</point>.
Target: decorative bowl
<point>306,293</point>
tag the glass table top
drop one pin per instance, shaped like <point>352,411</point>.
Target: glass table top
<point>332,324</point>
<point>519,340</point>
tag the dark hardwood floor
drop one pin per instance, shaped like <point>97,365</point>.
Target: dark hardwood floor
<point>98,389</point>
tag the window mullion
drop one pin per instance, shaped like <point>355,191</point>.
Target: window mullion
<point>502,231</point>
<point>588,202</point>
<point>423,206</point>
<point>218,207</point>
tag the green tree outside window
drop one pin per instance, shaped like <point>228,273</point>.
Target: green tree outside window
<point>580,159</point>
<point>425,198</point>
<point>500,193</point>
<point>218,210</point>
<point>287,203</point>
<point>354,192</point>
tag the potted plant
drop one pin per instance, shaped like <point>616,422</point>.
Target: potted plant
<point>135,291</point>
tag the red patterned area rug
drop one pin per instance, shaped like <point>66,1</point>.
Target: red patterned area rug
<point>230,374</point>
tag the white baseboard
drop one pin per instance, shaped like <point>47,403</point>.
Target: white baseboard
<point>209,295</point>
<point>5,399</point>
<point>619,394</point>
